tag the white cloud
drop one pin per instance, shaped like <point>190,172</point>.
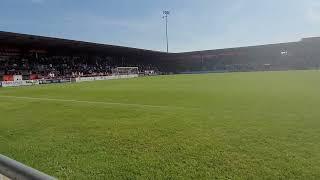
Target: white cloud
<point>313,13</point>
<point>90,20</point>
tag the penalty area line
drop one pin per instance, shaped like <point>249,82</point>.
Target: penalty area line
<point>94,102</point>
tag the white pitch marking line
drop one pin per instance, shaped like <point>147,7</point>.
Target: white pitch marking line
<point>94,102</point>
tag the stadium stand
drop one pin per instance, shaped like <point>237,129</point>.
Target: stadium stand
<point>284,56</point>
<point>37,57</point>
<point>62,66</point>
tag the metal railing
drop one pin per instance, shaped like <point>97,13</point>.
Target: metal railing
<point>11,169</point>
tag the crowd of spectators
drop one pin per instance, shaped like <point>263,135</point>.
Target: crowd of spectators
<point>61,66</point>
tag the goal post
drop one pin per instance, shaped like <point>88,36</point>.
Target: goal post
<point>125,71</point>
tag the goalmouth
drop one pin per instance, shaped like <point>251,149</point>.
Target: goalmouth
<point>125,71</point>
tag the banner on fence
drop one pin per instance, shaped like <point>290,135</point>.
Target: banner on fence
<point>99,78</point>
<point>54,81</point>
<point>11,83</point>
<point>19,83</point>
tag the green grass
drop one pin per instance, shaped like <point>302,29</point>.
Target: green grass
<point>263,125</point>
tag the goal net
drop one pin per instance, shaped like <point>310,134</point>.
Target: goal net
<point>125,71</point>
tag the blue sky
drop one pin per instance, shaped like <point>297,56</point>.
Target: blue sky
<point>193,24</point>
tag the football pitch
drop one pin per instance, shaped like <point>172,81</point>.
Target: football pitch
<point>260,125</point>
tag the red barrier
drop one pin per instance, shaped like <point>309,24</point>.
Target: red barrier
<point>8,78</point>
<point>34,77</point>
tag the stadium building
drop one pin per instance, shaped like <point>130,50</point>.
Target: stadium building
<point>232,126</point>
<point>299,55</point>
<point>36,57</point>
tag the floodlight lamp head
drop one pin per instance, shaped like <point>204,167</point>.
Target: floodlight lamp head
<point>166,12</point>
